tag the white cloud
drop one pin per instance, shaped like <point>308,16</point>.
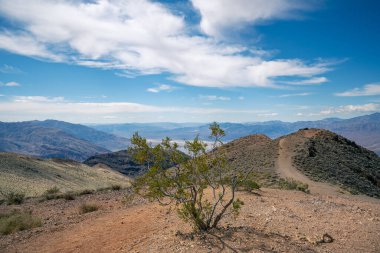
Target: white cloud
<point>214,98</point>
<point>2,95</point>
<point>10,84</point>
<point>221,15</point>
<point>367,90</point>
<point>295,95</point>
<point>268,115</point>
<point>161,87</point>
<point>241,98</point>
<point>8,69</point>
<point>41,107</point>
<point>314,80</point>
<point>141,38</point>
<point>346,109</point>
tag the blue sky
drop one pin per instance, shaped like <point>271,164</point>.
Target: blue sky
<point>113,61</point>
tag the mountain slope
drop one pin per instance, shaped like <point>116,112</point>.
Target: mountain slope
<point>33,176</point>
<point>26,138</point>
<point>310,156</point>
<point>99,138</point>
<point>121,161</point>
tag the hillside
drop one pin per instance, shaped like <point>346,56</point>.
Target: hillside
<point>309,156</point>
<point>32,176</point>
<point>327,157</point>
<point>46,142</point>
<point>120,161</point>
<point>99,138</point>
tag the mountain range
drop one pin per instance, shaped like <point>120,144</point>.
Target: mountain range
<point>364,130</point>
<point>56,139</point>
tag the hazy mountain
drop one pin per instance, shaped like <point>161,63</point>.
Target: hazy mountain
<point>99,138</point>
<point>365,130</point>
<point>52,138</point>
<point>27,138</point>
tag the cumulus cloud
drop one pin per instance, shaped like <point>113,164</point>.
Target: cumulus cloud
<point>10,84</point>
<point>145,37</point>
<point>346,109</point>
<point>367,90</point>
<point>220,15</point>
<point>161,87</point>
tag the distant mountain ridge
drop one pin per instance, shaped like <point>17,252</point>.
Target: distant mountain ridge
<point>365,130</point>
<point>56,139</point>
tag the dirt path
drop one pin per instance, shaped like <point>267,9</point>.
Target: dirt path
<point>270,221</point>
<point>285,168</point>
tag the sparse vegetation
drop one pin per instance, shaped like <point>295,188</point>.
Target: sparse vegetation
<point>88,208</point>
<point>14,198</point>
<point>357,170</point>
<point>17,221</point>
<point>85,192</point>
<point>116,187</point>
<point>291,184</point>
<point>188,182</point>
<point>52,193</point>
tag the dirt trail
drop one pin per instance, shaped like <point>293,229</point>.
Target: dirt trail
<point>285,168</point>
<point>116,231</point>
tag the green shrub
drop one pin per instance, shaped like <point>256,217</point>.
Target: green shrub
<point>14,198</point>
<point>248,185</point>
<point>88,208</point>
<point>17,221</point>
<point>291,184</point>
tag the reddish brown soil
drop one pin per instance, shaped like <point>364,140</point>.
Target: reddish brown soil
<point>270,221</point>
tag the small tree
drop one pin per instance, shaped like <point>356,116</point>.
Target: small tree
<point>203,187</point>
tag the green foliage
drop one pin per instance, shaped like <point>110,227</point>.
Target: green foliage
<point>88,208</point>
<point>249,185</point>
<point>203,188</point>
<point>14,198</point>
<point>17,221</point>
<point>291,184</point>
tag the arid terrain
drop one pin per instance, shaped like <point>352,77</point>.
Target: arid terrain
<point>329,219</point>
<point>270,221</point>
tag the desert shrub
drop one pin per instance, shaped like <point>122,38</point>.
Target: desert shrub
<point>248,185</point>
<point>14,198</point>
<point>185,184</point>
<point>85,192</point>
<point>116,187</point>
<point>88,208</point>
<point>291,184</point>
<point>17,221</point>
<point>68,196</point>
<point>51,193</point>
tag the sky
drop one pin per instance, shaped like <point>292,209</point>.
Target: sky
<point>121,61</point>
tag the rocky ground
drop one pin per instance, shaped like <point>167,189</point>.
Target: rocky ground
<point>270,221</point>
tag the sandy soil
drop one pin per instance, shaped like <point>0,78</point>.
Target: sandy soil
<point>270,221</point>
